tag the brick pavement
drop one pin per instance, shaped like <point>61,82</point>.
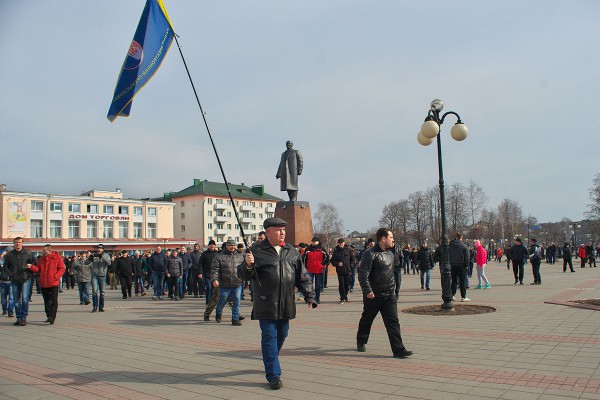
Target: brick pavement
<point>533,347</point>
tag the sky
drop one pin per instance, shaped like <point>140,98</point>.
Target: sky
<point>349,82</point>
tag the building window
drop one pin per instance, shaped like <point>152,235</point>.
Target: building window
<point>237,226</point>
<point>137,230</point>
<point>237,202</point>
<point>246,203</point>
<point>209,226</point>
<point>182,215</point>
<point>37,205</point>
<point>209,200</point>
<point>55,206</point>
<point>261,205</point>
<point>137,211</point>
<point>74,230</point>
<point>219,226</point>
<point>37,228</point>
<point>182,228</point>
<point>210,238</point>
<point>92,229</point>
<point>228,226</point>
<point>210,213</point>
<point>260,216</point>
<point>253,215</point>
<point>106,209</point>
<point>237,238</point>
<point>152,211</point>
<point>92,209</point>
<point>74,207</point>
<point>253,204</point>
<point>253,227</point>
<point>269,204</point>
<point>123,210</point>
<point>218,201</point>
<point>108,229</point>
<point>246,214</point>
<point>152,230</point>
<point>182,203</point>
<point>229,213</point>
<point>55,229</point>
<point>228,202</point>
<point>270,215</point>
<point>123,229</point>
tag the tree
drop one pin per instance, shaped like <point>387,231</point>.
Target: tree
<point>510,215</point>
<point>456,207</point>
<point>418,209</point>
<point>435,218</point>
<point>476,199</point>
<point>594,206</point>
<point>328,222</point>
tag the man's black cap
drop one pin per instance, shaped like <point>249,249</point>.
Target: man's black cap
<point>274,221</point>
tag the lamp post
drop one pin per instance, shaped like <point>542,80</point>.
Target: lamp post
<point>575,226</point>
<point>429,130</point>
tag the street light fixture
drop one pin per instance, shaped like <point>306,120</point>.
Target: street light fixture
<point>429,130</point>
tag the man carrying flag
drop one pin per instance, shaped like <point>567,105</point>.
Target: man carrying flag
<point>150,44</point>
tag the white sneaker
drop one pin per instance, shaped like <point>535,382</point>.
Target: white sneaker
<point>465,299</point>
<point>453,298</point>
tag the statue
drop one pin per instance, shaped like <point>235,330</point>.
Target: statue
<point>290,168</point>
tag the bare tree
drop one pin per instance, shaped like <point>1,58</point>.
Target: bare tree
<point>389,216</point>
<point>476,199</point>
<point>510,215</point>
<point>594,206</point>
<point>328,223</point>
<point>435,219</point>
<point>397,217</point>
<point>418,209</point>
<point>456,207</point>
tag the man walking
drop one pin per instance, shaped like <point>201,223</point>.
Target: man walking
<point>100,263</point>
<point>19,265</point>
<point>158,265</point>
<point>316,259</point>
<point>567,256</point>
<point>279,267</point>
<point>196,271</point>
<point>186,262</point>
<point>425,262</point>
<point>376,277</point>
<point>342,259</point>
<point>83,276</point>
<point>206,260</point>
<point>518,255</point>
<point>224,278</point>
<point>458,255</point>
<point>124,271</point>
<point>51,268</point>
<point>535,257</point>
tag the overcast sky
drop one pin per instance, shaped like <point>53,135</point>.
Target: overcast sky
<point>349,82</point>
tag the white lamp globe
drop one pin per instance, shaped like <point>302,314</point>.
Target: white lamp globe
<point>423,141</point>
<point>430,129</point>
<point>459,132</point>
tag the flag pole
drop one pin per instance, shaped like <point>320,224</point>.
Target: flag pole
<point>237,217</point>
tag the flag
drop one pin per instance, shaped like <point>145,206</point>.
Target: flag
<point>150,44</point>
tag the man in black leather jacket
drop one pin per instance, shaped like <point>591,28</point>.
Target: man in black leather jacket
<point>376,277</point>
<point>276,267</point>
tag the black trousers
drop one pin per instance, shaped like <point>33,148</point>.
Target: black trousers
<point>518,270</point>
<point>195,283</point>
<point>535,267</point>
<point>387,306</point>
<point>459,279</point>
<point>126,282</point>
<point>344,286</point>
<point>50,296</point>
<point>567,261</point>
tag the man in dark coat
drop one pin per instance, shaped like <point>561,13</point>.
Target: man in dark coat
<point>290,167</point>
<point>518,255</point>
<point>277,268</point>
<point>342,259</point>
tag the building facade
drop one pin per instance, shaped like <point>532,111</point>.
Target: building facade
<point>204,211</point>
<point>73,223</point>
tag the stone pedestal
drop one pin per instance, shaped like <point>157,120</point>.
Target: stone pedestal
<point>299,221</point>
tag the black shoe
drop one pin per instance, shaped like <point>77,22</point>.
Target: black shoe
<point>516,281</point>
<point>23,322</point>
<point>520,283</point>
<point>236,322</point>
<point>17,322</point>
<point>51,320</point>
<point>275,383</point>
<point>101,309</point>
<point>241,318</point>
<point>207,317</point>
<point>422,287</point>
<point>218,318</point>
<point>427,288</point>
<point>361,348</point>
<point>403,354</point>
<point>94,309</point>
<point>124,297</point>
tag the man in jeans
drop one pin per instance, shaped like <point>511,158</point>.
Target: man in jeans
<point>224,278</point>
<point>100,262</point>
<point>158,265</point>
<point>8,303</point>
<point>19,265</point>
<point>535,257</point>
<point>278,267</point>
<point>83,276</point>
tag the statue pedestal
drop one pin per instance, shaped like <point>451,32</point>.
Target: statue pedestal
<point>299,221</point>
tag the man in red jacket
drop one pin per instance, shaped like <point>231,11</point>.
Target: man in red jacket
<point>51,268</point>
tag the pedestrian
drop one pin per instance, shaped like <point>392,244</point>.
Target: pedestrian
<point>224,278</point>
<point>535,258</point>
<point>518,255</point>
<point>481,261</point>
<point>551,253</point>
<point>315,260</point>
<point>405,258</point>
<point>140,268</point>
<point>186,262</point>
<point>124,271</point>
<point>51,269</point>
<point>19,265</point>
<point>100,262</point>
<point>398,261</point>
<point>458,255</point>
<point>206,260</point>
<point>277,267</point>
<point>567,256</point>
<point>507,254</point>
<point>425,262</point>
<point>342,259</point>
<point>8,302</point>
<point>83,276</point>
<point>174,271</point>
<point>376,277</point>
<point>589,253</point>
<point>158,265</point>
<point>582,255</point>
<point>196,271</point>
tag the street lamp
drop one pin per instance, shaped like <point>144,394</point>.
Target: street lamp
<point>575,226</point>
<point>429,130</point>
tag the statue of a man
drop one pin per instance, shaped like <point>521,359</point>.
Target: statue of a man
<point>289,169</point>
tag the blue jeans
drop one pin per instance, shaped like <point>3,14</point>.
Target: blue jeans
<point>352,278</point>
<point>425,273</point>
<point>183,284</point>
<point>138,284</point>
<point>208,288</point>
<point>98,285</point>
<point>236,295</point>
<point>274,332</point>
<point>21,296</point>
<point>158,283</point>
<point>8,303</point>
<point>317,280</point>
<point>84,292</point>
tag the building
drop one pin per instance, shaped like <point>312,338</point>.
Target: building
<point>204,211</point>
<point>72,223</point>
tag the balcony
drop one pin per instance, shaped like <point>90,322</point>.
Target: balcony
<point>221,218</point>
<point>221,232</point>
<point>245,208</point>
<point>270,210</point>
<point>246,220</point>
<point>220,206</point>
